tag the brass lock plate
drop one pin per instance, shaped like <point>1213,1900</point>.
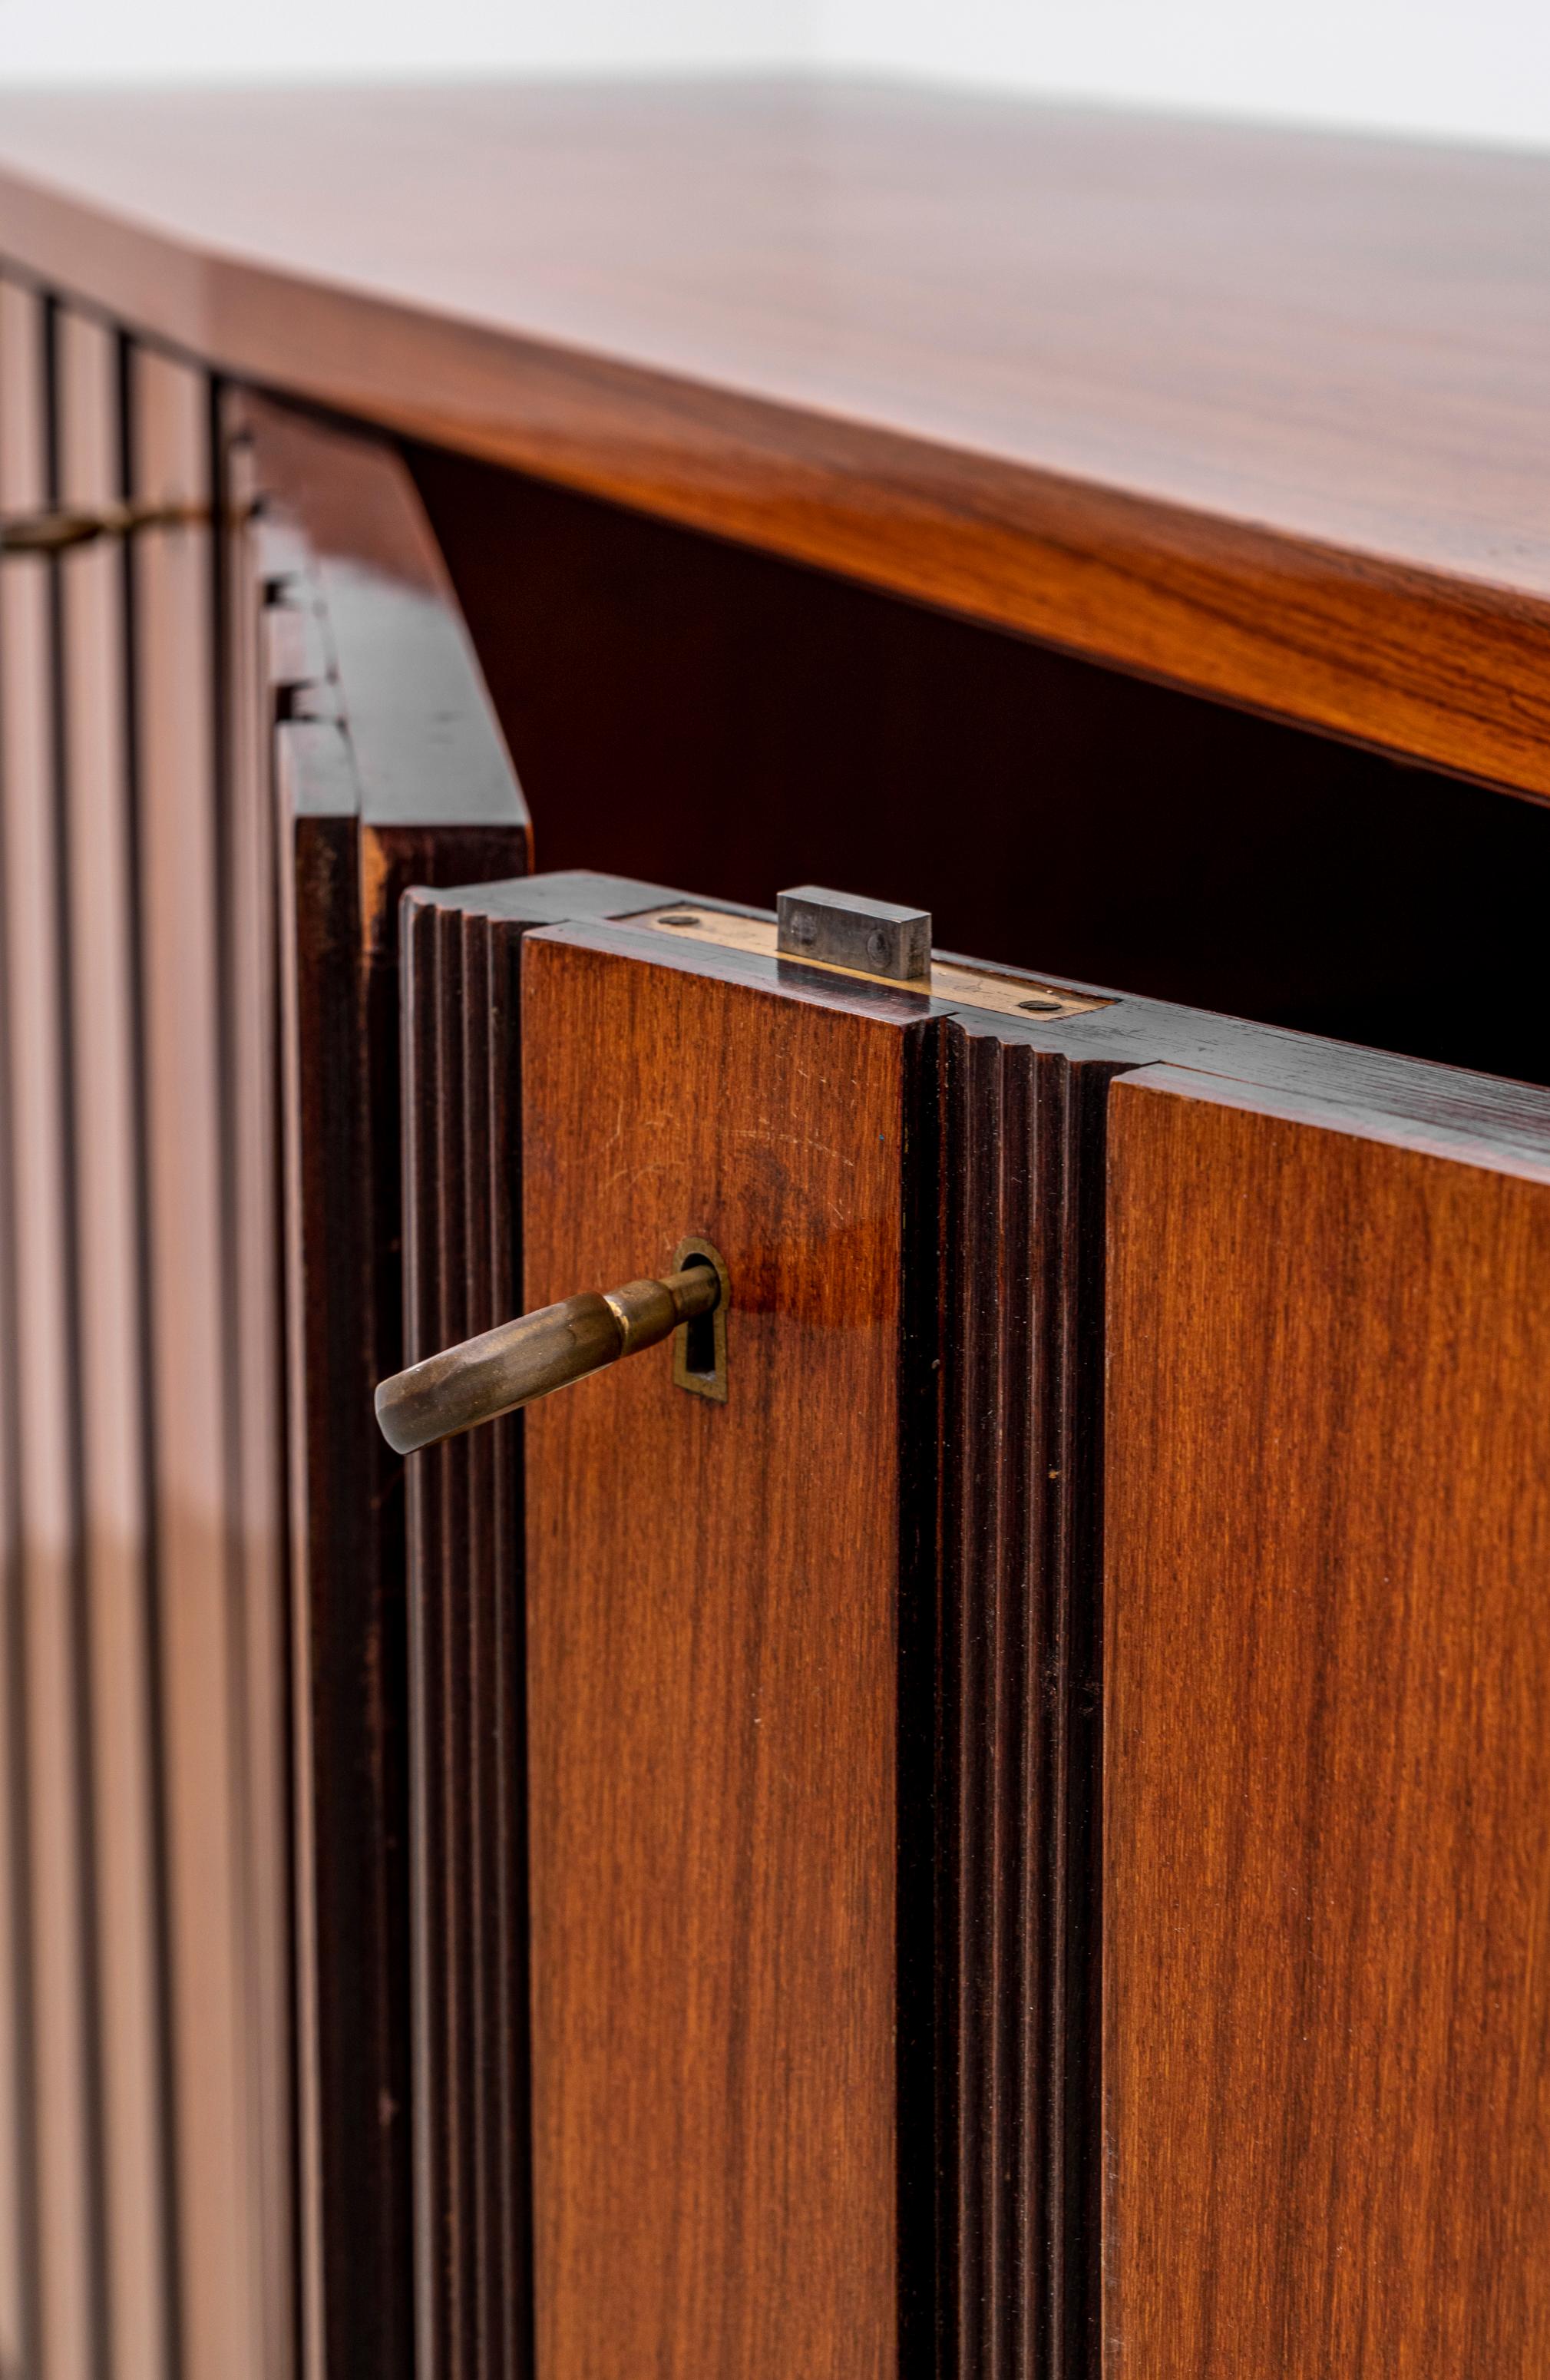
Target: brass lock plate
<point>964,987</point>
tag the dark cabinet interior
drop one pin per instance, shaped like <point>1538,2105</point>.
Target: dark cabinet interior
<point>686,710</point>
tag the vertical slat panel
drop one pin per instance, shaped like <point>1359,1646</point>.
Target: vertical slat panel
<point>461,958</point>
<point>422,1325</point>
<point>481,1626</point>
<point>450,1463</point>
<point>101,890</point>
<point>202,1685</point>
<point>504,1747</point>
<point>65,2176</point>
<point>1015,1694</point>
<point>255,1422</point>
<point>20,784</point>
<point>485,953</point>
<point>18,2258</point>
<point>433,1087</point>
<point>310,891</point>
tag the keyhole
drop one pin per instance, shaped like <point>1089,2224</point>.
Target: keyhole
<point>700,1345</point>
<point>699,1334</point>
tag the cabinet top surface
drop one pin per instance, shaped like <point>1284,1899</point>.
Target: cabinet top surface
<point>1015,358</point>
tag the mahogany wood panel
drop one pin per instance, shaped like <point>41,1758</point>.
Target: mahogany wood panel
<point>714,1617</point>
<point>387,770</point>
<point>1245,408</point>
<point>1327,1741</point>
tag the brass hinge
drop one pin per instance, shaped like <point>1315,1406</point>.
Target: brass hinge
<point>56,528</point>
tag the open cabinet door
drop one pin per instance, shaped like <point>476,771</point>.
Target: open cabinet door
<point>782,2004</point>
<point>803,1861</point>
<point>1328,1756</point>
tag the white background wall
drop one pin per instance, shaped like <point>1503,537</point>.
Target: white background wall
<point>1479,69</point>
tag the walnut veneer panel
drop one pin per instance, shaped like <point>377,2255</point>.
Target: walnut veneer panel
<point>1251,409</point>
<point>1328,1744</point>
<point>712,1615</point>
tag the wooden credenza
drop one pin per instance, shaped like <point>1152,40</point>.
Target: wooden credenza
<point>1014,1843</point>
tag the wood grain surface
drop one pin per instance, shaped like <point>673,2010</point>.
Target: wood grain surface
<point>1249,409</point>
<point>1327,1743</point>
<point>712,1613</point>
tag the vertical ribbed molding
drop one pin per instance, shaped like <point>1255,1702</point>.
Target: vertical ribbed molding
<point>460,977</point>
<point>1015,1911</point>
<point>49,2267</point>
<point>144,2063</point>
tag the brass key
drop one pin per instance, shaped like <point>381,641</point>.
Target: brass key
<point>519,1362</point>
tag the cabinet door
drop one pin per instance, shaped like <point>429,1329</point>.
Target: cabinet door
<point>898,1888</point>
<point>238,714</point>
<point>804,1696</point>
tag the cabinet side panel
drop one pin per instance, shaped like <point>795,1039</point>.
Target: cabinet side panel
<point>1328,1764</point>
<point>712,1678</point>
